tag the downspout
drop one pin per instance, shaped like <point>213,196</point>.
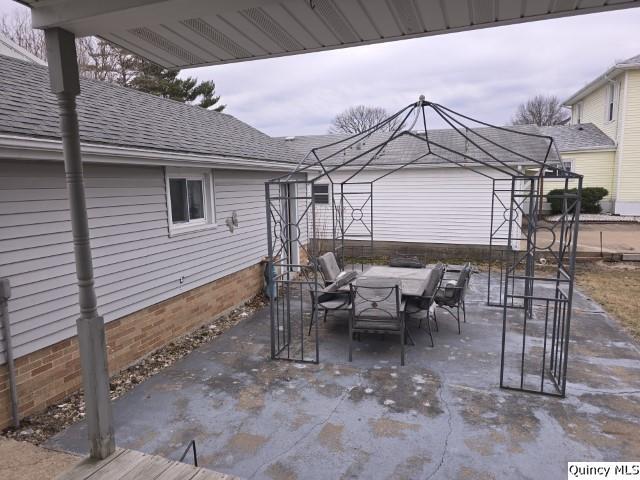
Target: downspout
<point>5,294</point>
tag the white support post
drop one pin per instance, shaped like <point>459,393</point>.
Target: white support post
<point>65,84</point>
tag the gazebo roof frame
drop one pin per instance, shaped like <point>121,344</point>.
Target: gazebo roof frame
<point>316,159</point>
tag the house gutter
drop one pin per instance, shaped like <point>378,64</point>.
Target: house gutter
<point>598,82</point>
<point>5,294</point>
<point>15,147</point>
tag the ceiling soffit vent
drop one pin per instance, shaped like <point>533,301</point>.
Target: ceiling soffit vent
<point>272,29</point>
<point>406,16</point>
<point>216,37</point>
<point>335,21</point>
<point>159,41</point>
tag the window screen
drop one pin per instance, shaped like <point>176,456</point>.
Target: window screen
<point>321,194</point>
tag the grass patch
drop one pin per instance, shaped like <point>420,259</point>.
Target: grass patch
<point>615,286</point>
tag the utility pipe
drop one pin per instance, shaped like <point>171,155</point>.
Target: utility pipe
<point>5,294</point>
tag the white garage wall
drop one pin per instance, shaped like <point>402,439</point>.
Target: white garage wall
<point>449,205</point>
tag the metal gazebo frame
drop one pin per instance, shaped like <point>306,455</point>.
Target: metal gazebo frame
<point>531,279</point>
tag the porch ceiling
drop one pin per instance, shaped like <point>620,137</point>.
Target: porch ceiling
<point>186,33</point>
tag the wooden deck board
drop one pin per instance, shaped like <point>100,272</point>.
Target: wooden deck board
<point>133,465</point>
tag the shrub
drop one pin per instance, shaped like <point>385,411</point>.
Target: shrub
<point>591,197</point>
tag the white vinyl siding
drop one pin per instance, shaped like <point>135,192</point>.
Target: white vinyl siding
<point>426,205</point>
<point>136,263</point>
<point>594,109</point>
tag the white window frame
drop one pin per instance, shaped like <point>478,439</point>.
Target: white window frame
<point>206,176</point>
<point>611,104</point>
<point>571,162</point>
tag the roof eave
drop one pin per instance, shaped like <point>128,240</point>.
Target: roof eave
<point>17,147</point>
<point>599,82</point>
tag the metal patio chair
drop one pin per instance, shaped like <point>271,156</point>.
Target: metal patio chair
<point>327,301</point>
<point>420,307</point>
<point>450,297</point>
<point>377,307</point>
<point>331,272</point>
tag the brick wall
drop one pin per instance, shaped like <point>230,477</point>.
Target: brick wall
<point>48,375</point>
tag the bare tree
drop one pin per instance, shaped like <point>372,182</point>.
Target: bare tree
<point>360,118</point>
<point>101,60</point>
<point>97,58</point>
<point>17,27</point>
<point>541,110</point>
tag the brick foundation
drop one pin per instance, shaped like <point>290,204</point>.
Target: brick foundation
<point>48,375</point>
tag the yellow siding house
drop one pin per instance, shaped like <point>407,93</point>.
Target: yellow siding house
<point>611,103</point>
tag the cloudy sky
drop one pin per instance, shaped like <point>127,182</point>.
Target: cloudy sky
<point>482,73</point>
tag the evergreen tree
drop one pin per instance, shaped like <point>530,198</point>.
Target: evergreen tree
<point>165,83</point>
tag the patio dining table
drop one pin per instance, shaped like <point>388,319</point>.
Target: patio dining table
<point>412,281</point>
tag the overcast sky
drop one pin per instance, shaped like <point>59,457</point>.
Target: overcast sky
<point>483,73</point>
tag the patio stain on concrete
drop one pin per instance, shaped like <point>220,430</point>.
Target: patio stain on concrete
<point>330,437</point>
<point>389,428</point>
<point>246,443</point>
<point>607,431</point>
<point>468,473</point>
<point>280,471</point>
<point>400,393</point>
<point>251,398</point>
<point>509,419</point>
<point>486,445</point>
<point>412,468</point>
<point>357,466</point>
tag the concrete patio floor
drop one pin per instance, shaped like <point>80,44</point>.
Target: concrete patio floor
<point>441,416</point>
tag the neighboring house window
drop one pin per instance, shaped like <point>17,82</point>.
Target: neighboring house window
<point>321,194</point>
<point>567,165</point>
<point>578,116</point>
<point>611,101</point>
<point>189,199</point>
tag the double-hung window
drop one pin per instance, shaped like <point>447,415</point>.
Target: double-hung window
<point>189,199</point>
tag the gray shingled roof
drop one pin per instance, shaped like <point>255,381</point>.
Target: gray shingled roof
<point>635,60</point>
<point>585,136</point>
<point>114,115</point>
<point>405,149</point>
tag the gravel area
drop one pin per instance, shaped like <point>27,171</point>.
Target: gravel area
<point>38,428</point>
<point>599,217</point>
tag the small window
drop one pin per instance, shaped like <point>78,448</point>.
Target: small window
<point>611,96</point>
<point>321,194</point>
<point>567,164</point>
<point>189,198</point>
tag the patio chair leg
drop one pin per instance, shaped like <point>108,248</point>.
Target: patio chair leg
<point>402,348</point>
<point>429,329</point>
<point>325,316</point>
<point>435,320</point>
<point>464,311</point>
<point>458,319</point>
<point>313,313</point>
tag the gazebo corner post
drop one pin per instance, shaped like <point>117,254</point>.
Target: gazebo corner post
<point>65,84</point>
